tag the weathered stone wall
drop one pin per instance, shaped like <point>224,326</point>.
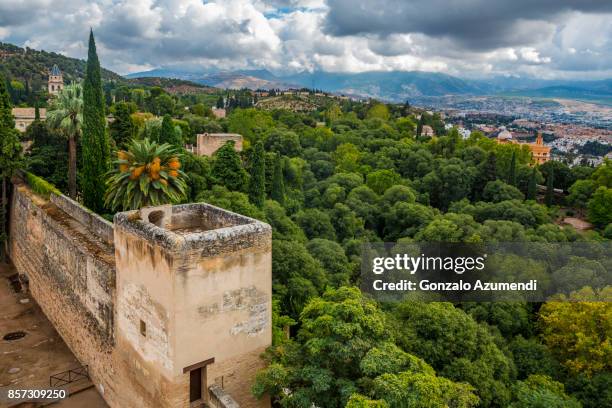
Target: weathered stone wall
<point>221,399</point>
<point>90,220</point>
<point>71,274</point>
<point>48,245</point>
<point>209,143</point>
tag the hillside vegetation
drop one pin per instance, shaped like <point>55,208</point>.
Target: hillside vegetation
<point>32,66</point>
<point>295,103</point>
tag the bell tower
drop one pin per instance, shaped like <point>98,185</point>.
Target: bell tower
<point>56,81</point>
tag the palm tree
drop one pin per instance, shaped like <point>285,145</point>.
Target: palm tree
<point>145,174</point>
<point>66,114</point>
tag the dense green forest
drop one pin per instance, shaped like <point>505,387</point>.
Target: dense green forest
<point>348,173</point>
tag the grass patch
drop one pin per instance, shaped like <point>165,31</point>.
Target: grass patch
<point>41,186</point>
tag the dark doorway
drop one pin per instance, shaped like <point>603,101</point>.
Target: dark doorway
<point>195,384</point>
<point>197,380</point>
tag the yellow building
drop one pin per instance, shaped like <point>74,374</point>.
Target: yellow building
<point>539,151</point>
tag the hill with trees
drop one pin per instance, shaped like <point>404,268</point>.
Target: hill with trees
<point>32,66</point>
<point>172,85</point>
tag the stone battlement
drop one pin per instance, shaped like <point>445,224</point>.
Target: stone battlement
<point>199,226</point>
<point>161,304</point>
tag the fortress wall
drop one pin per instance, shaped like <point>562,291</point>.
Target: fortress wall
<point>92,221</point>
<point>200,295</point>
<point>71,275</point>
<point>50,246</point>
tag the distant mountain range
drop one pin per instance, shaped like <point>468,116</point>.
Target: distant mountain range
<point>396,85</point>
<point>32,66</point>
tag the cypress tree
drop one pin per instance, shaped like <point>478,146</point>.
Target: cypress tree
<point>278,182</point>
<point>550,191</point>
<point>168,134</point>
<point>36,112</point>
<point>10,154</point>
<point>257,184</point>
<point>220,102</point>
<point>28,92</point>
<point>122,129</point>
<point>10,91</point>
<point>489,169</point>
<point>531,187</point>
<point>512,172</point>
<point>420,125</point>
<point>227,169</point>
<point>96,151</point>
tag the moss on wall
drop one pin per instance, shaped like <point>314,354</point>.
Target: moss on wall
<point>40,186</point>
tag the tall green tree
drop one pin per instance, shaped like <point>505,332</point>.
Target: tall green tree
<point>489,168</point>
<point>66,115</point>
<point>550,189</point>
<point>227,168</point>
<point>577,332</point>
<point>257,184</point>
<point>420,124</point>
<point>278,181</point>
<point>10,154</point>
<point>337,331</point>
<point>512,171</point>
<point>541,391</point>
<point>600,207</point>
<point>96,150</point>
<point>487,171</point>
<point>168,133</point>
<point>122,129</point>
<point>532,186</point>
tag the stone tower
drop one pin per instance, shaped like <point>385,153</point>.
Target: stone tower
<point>56,80</point>
<point>194,302</point>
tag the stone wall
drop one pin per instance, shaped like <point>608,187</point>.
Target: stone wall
<point>48,245</point>
<point>97,225</point>
<point>71,274</point>
<point>221,399</point>
<point>196,277</point>
<point>209,143</point>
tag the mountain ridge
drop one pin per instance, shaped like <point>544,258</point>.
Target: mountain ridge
<point>31,66</point>
<point>396,85</point>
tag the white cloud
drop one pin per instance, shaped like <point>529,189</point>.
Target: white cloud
<point>531,55</point>
<point>569,39</point>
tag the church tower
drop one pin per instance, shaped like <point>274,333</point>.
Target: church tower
<point>56,81</point>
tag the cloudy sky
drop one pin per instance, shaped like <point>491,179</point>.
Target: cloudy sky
<point>469,38</point>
